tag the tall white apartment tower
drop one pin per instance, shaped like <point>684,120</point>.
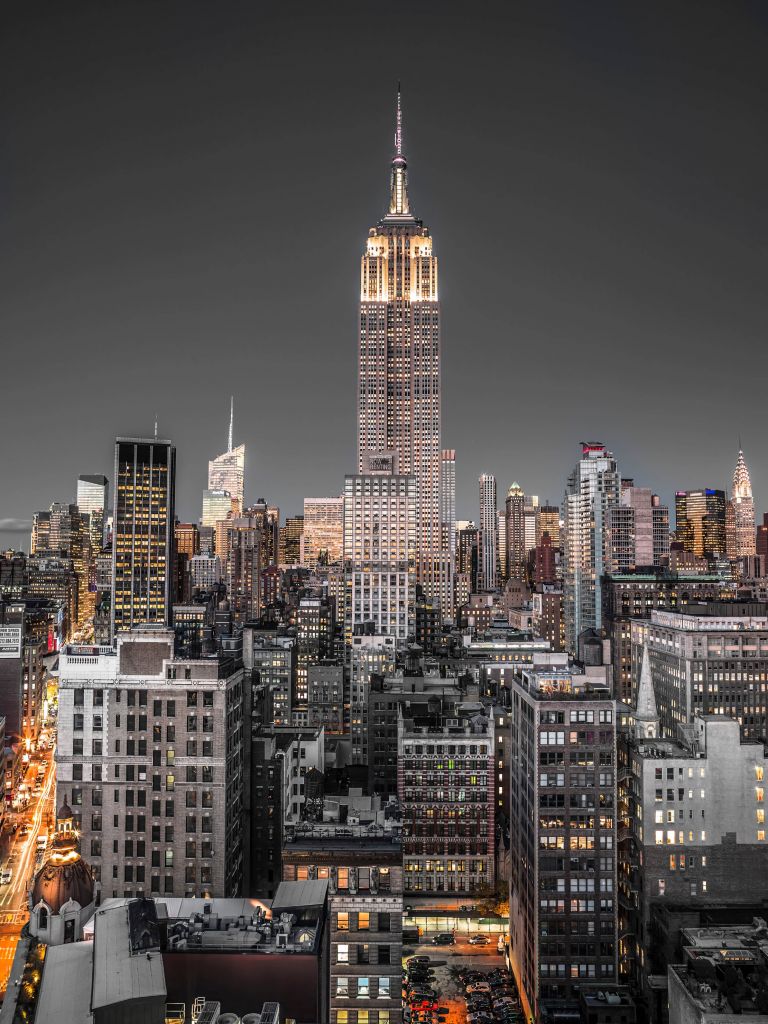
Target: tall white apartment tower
<point>489,534</point>
<point>399,360</point>
<point>592,489</point>
<point>447,529</point>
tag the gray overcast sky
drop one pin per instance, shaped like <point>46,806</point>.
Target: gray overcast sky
<point>186,187</point>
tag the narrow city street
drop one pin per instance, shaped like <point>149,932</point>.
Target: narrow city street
<point>22,856</point>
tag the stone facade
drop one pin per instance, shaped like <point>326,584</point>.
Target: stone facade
<point>150,754</point>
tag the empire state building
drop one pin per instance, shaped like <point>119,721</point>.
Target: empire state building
<point>399,360</point>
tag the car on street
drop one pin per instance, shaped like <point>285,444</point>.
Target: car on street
<point>6,875</point>
<point>478,986</point>
<point>443,939</point>
<point>479,940</point>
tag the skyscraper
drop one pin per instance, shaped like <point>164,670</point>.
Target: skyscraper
<point>740,540</point>
<point>637,531</point>
<point>516,547</point>
<point>592,489</point>
<point>700,521</point>
<point>489,527</point>
<point>142,545</point>
<point>399,360</point>
<point>93,500</point>
<point>447,528</point>
<point>217,505</point>
<point>227,471</point>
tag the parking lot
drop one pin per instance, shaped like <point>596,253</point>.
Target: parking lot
<point>448,962</point>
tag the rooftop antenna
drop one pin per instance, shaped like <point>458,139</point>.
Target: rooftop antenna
<point>155,424</point>
<point>231,420</point>
<point>399,126</point>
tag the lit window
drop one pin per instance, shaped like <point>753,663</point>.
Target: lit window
<point>343,921</point>
<point>342,953</point>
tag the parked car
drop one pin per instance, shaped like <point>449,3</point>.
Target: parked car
<point>6,876</point>
<point>478,986</point>
<point>479,940</point>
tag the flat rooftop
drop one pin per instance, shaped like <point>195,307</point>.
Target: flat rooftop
<point>65,990</point>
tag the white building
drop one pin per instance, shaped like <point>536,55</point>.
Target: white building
<point>592,489</point>
<point>150,755</point>
<point>379,555</point>
<point>205,571</point>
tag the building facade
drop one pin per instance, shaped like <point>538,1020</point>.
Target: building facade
<point>142,540</point>
<point>447,530</point>
<point>446,789</point>
<point>150,755</point>
<point>711,659</point>
<point>323,530</point>
<point>637,531</point>
<point>488,554</point>
<point>592,489</point>
<point>563,913</point>
<point>700,521</point>
<point>365,893</point>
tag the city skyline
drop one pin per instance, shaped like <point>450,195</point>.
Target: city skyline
<point>569,204</point>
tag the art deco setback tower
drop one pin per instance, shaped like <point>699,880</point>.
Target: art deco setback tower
<point>740,523</point>
<point>142,545</point>
<point>399,360</point>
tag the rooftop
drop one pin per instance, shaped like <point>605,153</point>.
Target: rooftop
<point>123,967</point>
<point>291,923</point>
<point>726,969</point>
<point>63,994</point>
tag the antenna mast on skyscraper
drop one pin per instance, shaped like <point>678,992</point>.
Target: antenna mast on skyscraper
<point>399,126</point>
<point>231,420</point>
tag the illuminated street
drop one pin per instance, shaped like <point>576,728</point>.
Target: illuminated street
<point>22,858</point>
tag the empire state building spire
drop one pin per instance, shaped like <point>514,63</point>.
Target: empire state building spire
<point>398,192</point>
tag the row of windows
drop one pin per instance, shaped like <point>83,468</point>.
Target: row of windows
<point>361,988</point>
<point>362,953</point>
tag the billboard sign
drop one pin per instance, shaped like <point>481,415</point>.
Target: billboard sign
<point>10,641</point>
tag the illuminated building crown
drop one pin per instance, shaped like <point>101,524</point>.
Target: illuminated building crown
<point>742,486</point>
